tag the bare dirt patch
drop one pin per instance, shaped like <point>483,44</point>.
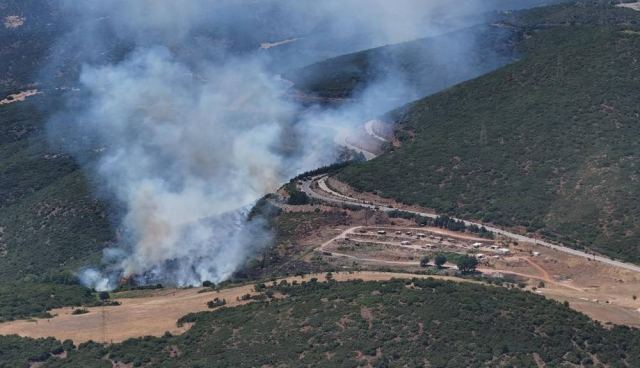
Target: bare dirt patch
<point>21,96</point>
<point>140,316</point>
<point>367,315</point>
<point>13,21</point>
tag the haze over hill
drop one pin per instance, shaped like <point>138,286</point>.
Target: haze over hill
<point>425,66</point>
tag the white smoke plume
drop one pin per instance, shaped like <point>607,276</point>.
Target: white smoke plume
<point>184,153</point>
<point>190,125</point>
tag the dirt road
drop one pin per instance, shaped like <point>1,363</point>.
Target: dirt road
<point>268,45</point>
<point>634,6</point>
<point>368,126</point>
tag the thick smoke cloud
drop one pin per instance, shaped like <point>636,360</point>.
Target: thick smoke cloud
<point>184,154</point>
<point>189,124</point>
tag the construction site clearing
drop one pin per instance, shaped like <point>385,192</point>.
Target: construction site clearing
<point>606,291</point>
<point>603,292</point>
<point>410,244</point>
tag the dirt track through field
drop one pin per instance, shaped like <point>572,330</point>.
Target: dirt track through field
<point>155,312</point>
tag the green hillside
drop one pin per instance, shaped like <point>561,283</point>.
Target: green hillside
<point>377,324</point>
<point>549,142</point>
<point>50,222</point>
<point>49,219</point>
<point>426,65</point>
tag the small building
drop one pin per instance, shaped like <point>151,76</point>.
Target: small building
<point>535,254</point>
<point>381,232</point>
<point>476,245</point>
<point>405,242</point>
<point>503,251</point>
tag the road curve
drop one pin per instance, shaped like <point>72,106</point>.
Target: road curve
<point>338,198</point>
<point>368,127</point>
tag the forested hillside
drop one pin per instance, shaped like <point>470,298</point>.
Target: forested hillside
<point>49,219</point>
<point>51,223</point>
<point>424,66</point>
<point>389,324</point>
<point>549,142</point>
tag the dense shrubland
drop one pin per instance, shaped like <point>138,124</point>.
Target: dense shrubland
<point>394,323</point>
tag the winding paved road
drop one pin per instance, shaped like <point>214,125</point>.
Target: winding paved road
<point>331,196</point>
<point>368,127</point>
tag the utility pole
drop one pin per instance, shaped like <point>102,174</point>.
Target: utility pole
<point>104,326</point>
